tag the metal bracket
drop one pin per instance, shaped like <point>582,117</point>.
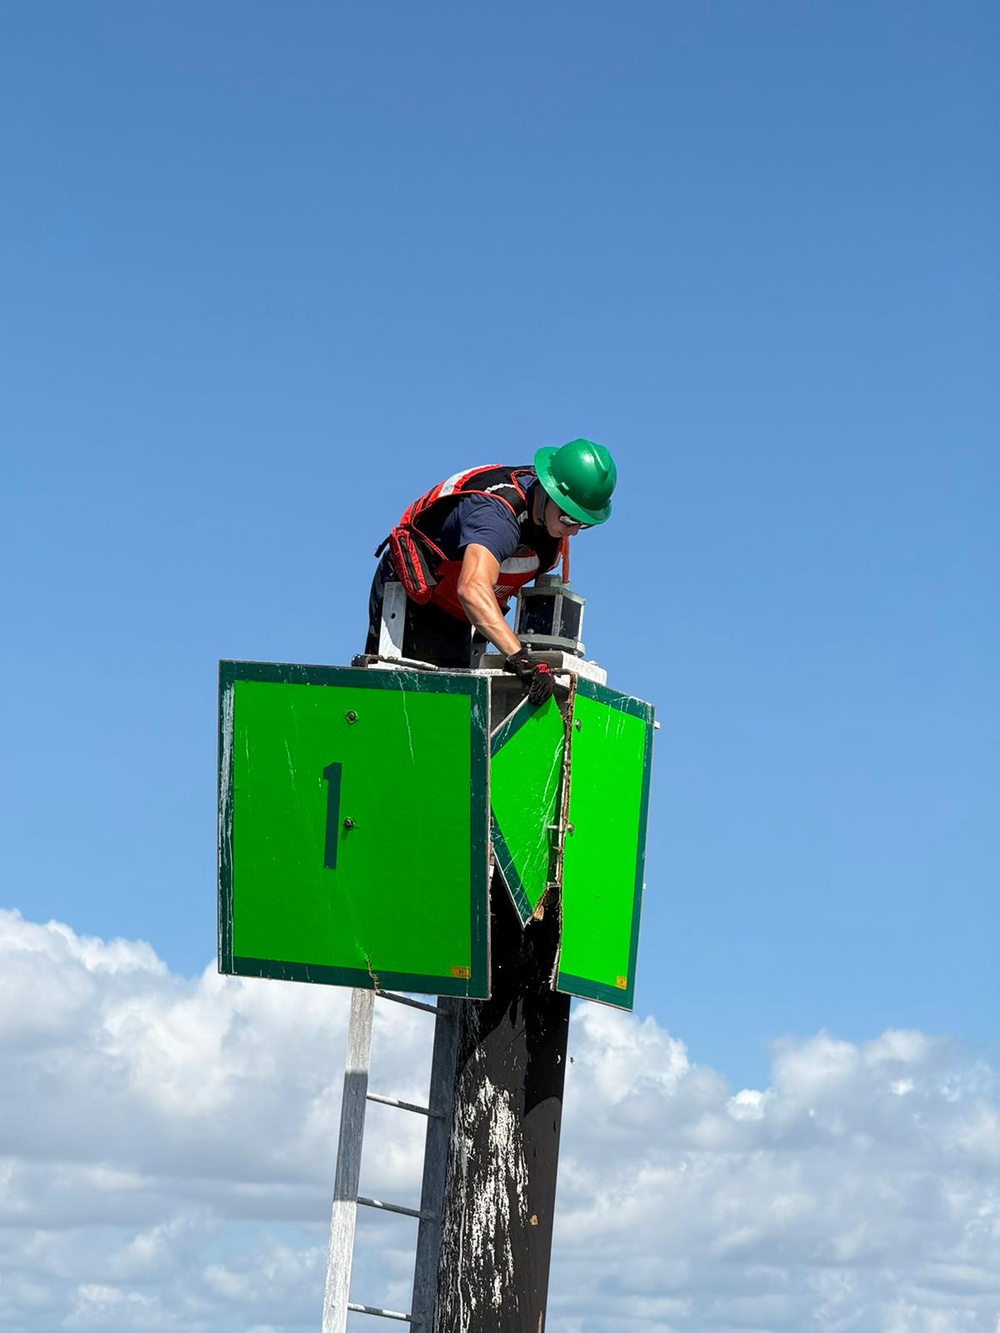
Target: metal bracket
<point>390,639</point>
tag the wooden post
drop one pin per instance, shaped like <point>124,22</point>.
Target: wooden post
<point>509,1056</point>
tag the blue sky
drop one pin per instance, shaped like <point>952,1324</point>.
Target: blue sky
<point>269,272</point>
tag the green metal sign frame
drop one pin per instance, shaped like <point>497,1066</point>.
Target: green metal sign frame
<point>354,827</point>
<point>599,802</point>
<point>604,848</point>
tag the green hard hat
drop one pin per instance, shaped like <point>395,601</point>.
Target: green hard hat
<point>580,478</point>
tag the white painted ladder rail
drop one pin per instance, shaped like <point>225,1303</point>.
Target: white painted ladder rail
<point>337,1304</point>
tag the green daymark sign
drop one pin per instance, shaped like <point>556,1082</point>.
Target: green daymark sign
<point>353,838</point>
<point>357,812</point>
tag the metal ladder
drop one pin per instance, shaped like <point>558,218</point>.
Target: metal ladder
<point>337,1303</point>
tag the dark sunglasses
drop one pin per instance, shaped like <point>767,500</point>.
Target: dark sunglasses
<point>568,522</point>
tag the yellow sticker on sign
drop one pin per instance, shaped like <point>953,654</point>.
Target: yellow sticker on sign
<point>461,973</point>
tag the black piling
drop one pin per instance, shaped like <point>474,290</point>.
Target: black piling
<point>508,1062</point>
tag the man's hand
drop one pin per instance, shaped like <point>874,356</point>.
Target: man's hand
<point>535,676</point>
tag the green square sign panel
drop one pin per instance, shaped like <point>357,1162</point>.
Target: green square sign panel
<point>526,766</point>
<point>354,844</point>
<point>612,742</point>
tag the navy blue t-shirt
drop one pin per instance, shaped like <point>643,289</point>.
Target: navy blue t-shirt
<point>479,520</point>
<point>482,520</point>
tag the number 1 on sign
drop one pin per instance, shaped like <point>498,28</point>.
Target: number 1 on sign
<point>332,776</point>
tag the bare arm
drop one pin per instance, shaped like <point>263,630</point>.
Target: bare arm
<point>480,571</point>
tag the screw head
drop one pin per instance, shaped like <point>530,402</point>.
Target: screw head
<point>348,822</point>
<point>351,716</point>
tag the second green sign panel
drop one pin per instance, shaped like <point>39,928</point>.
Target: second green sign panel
<point>610,738</point>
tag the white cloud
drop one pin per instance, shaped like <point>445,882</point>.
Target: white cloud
<point>829,1200</point>
<point>167,1151</point>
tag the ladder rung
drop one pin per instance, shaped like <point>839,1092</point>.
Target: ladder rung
<point>403,1106</point>
<point>412,1004</point>
<point>392,1207</point>
<point>386,1314</point>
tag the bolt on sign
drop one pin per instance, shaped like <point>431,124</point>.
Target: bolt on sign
<point>359,810</point>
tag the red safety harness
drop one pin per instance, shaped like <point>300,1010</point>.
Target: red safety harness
<point>424,570</point>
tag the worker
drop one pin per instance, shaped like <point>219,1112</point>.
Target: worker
<point>462,549</point>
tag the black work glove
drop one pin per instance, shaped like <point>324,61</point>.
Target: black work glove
<point>535,676</point>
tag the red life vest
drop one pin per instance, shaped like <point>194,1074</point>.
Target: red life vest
<point>422,567</point>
